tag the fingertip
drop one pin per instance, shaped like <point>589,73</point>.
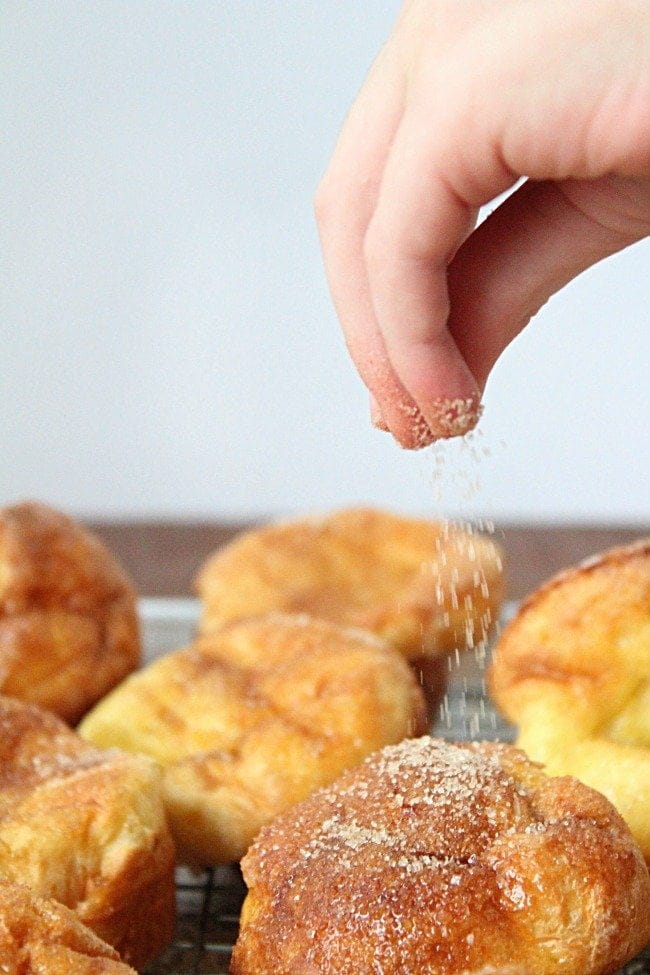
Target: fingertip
<point>444,400</point>
<point>393,411</point>
<point>453,417</point>
<point>441,385</point>
<point>414,433</point>
<point>407,426</point>
<point>442,419</point>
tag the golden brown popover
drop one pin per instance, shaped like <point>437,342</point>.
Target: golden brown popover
<point>436,858</point>
<point>424,586</point>
<point>572,670</point>
<point>40,937</point>
<point>68,623</point>
<point>250,719</point>
<point>86,828</point>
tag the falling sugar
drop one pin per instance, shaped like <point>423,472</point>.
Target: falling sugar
<point>454,469</point>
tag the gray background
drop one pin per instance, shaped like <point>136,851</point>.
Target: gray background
<point>168,343</point>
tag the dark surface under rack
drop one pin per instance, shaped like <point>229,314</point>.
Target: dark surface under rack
<point>209,903</point>
<point>208,919</point>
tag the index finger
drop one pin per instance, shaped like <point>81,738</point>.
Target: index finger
<point>424,213</point>
<point>345,203</point>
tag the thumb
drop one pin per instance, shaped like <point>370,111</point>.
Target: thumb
<point>539,239</point>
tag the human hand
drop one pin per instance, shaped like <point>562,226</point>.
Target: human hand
<point>466,97</point>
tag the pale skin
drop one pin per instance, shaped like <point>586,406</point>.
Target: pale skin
<point>467,97</point>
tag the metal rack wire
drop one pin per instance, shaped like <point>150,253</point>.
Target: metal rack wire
<point>209,903</point>
<point>208,918</point>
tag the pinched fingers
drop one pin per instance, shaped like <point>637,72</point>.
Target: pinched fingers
<point>421,218</point>
<point>387,230</point>
<point>452,115</point>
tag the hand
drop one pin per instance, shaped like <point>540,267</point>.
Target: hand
<point>466,98</point>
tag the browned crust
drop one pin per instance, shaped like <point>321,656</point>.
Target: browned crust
<point>251,718</point>
<point>86,827</point>
<point>565,632</point>
<point>572,671</point>
<point>37,935</point>
<point>68,621</point>
<point>425,586</point>
<point>136,912</point>
<point>449,858</point>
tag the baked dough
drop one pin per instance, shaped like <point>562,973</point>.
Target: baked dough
<point>68,624</point>
<point>435,858</point>
<point>572,670</point>
<point>41,937</point>
<point>425,586</point>
<point>249,720</point>
<point>86,828</point>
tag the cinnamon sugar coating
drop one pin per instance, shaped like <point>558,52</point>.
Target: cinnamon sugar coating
<point>68,623</point>
<point>454,417</point>
<point>434,858</point>
<point>250,719</point>
<point>40,937</point>
<point>572,670</point>
<point>425,586</point>
<point>86,828</point>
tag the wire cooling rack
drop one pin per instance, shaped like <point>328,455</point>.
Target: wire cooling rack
<point>208,919</point>
<point>209,903</point>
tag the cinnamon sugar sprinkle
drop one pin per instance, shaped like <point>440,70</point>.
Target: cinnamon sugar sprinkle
<point>445,418</point>
<point>454,417</point>
<point>426,858</point>
<point>421,433</point>
<point>416,773</point>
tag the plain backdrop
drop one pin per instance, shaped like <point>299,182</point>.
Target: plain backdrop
<point>168,345</point>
